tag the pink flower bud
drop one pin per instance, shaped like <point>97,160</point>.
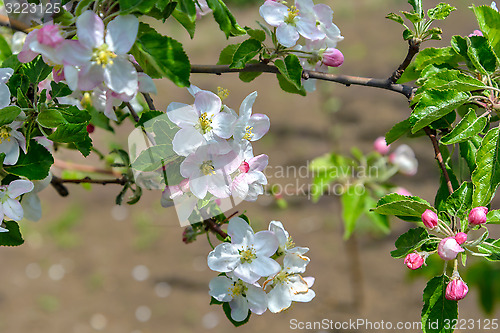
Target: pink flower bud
<point>448,248</point>
<point>381,146</point>
<point>403,191</point>
<point>461,237</point>
<point>244,167</point>
<point>188,235</point>
<point>333,57</point>
<point>476,33</point>
<point>49,35</point>
<point>456,290</point>
<point>430,219</point>
<point>478,215</point>
<point>414,261</point>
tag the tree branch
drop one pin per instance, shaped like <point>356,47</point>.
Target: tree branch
<point>214,227</point>
<point>307,74</point>
<point>58,183</point>
<point>84,168</point>
<point>413,49</point>
<point>439,157</point>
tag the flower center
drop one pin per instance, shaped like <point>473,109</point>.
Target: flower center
<point>281,277</point>
<point>222,93</point>
<point>293,12</point>
<point>86,100</point>
<point>5,133</point>
<point>248,255</point>
<point>238,289</point>
<point>207,168</point>
<point>205,123</point>
<point>248,133</point>
<point>102,56</point>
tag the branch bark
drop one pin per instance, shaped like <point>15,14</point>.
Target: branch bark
<point>439,157</point>
<point>413,49</point>
<point>307,74</point>
<point>214,227</point>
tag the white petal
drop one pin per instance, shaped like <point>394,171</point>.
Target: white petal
<point>308,29</point>
<point>223,124</point>
<point>193,90</point>
<point>260,124</point>
<point>89,77</point>
<point>239,229</point>
<point>4,95</point>
<point>207,102</point>
<point>90,29</point>
<point>71,77</point>
<point>32,207</point>
<point>279,298</point>
<point>258,163</point>
<point>5,74</point>
<point>223,258</point>
<point>309,280</point>
<point>257,299</point>
<point>186,141</point>
<point>246,105</point>
<point>273,13</point>
<point>18,187</point>
<point>146,84</point>
<point>13,209</point>
<point>121,33</point>
<point>73,53</point>
<point>295,263</point>
<point>184,206</point>
<point>279,231</point>
<point>263,266</point>
<point>182,115</point>
<point>304,297</point>
<point>11,150</point>
<point>219,288</point>
<point>121,76</point>
<point>218,185</point>
<point>199,186</point>
<point>239,308</point>
<point>287,35</point>
<point>239,187</point>
<point>244,271</point>
<point>265,243</point>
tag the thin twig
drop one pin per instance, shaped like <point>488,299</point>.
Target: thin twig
<point>132,112</point>
<point>306,74</point>
<point>439,157</point>
<point>214,227</point>
<point>413,49</point>
<point>88,180</point>
<point>84,168</point>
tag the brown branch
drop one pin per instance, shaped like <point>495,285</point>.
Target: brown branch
<point>413,49</point>
<point>13,24</point>
<point>132,112</point>
<point>88,180</point>
<point>214,227</point>
<point>84,168</point>
<point>306,74</point>
<point>439,157</point>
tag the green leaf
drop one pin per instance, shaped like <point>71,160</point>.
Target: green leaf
<point>36,70</point>
<point>402,206</point>
<point>409,242</point>
<point>188,7</point>
<point>51,118</point>
<point>227,22</point>
<point>488,19</point>
<point>166,56</point>
<point>481,55</point>
<point>435,104</point>
<point>381,222</point>
<point>437,310</point>
<point>395,17</point>
<point>257,34</point>
<point>493,217</point>
<point>163,10</point>
<point>417,6</point>
<point>34,165</point>
<point>59,90</point>
<point>245,52</point>
<point>459,203</point>
<point>226,55</point>
<point>148,116</point>
<point>13,237</point>
<point>227,312</point>
<point>8,114</point>
<point>142,6</point>
<point>185,21</point>
<point>289,87</point>
<point>451,79</point>
<point>486,176</point>
<point>441,11</point>
<point>490,246</point>
<point>291,70</point>
<point>5,51</point>
<point>249,76</point>
<point>446,55</point>
<point>470,125</point>
<point>353,204</point>
<point>398,131</point>
<point>412,17</point>
<point>468,151</point>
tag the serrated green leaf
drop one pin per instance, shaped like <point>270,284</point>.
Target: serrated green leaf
<point>142,6</point>
<point>249,76</point>
<point>412,17</point>
<point>493,217</point>
<point>408,34</point>
<point>13,237</point>
<point>437,310</point>
<point>481,55</point>
<point>459,203</point>
<point>9,114</point>
<point>226,55</point>
<point>34,165</point>
<point>395,17</point>
<point>289,87</point>
<point>435,104</point>
<point>245,52</point>
<point>402,206</point>
<point>257,34</point>
<point>37,70</point>
<point>441,11</point>
<point>291,70</point>
<point>435,56</point>
<point>185,21</point>
<point>470,125</point>
<point>227,22</point>
<point>59,90</point>
<point>486,176</point>
<point>417,6</point>
<point>397,131</point>
<point>450,79</point>
<point>380,221</point>
<point>468,151</point>
<point>409,242</point>
<point>488,19</point>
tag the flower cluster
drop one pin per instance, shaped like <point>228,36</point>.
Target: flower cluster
<point>314,24</point>
<point>450,245</point>
<point>214,145</point>
<point>10,206</point>
<point>96,66</point>
<point>403,158</point>
<point>251,256</point>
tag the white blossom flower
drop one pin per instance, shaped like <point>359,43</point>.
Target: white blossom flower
<point>9,199</point>
<point>5,74</point>
<point>289,286</point>
<point>250,178</point>
<point>200,123</point>
<point>248,254</point>
<point>322,15</point>
<point>247,126</point>
<point>10,142</point>
<point>241,296</point>
<point>404,158</point>
<point>181,197</point>
<point>286,244</point>
<point>31,202</point>
<point>290,23</point>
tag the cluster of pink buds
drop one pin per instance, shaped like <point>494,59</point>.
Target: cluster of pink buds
<point>403,157</point>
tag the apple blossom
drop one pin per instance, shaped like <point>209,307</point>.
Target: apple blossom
<point>5,74</point>
<point>31,202</point>
<point>248,254</point>
<point>404,158</point>
<point>402,191</point>
<point>333,57</point>
<point>461,237</point>
<point>430,219</point>
<point>456,289</point>
<point>286,246</point>
<point>289,23</point>
<point>247,126</point>
<point>250,178</point>
<point>381,146</point>
<point>448,248</point>
<point>10,142</point>
<point>241,296</point>
<point>322,14</point>
<point>9,199</point>
<point>476,33</point>
<point>477,215</point>
<point>288,285</point>
<point>185,202</point>
<point>414,261</point>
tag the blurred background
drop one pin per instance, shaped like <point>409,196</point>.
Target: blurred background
<point>91,266</point>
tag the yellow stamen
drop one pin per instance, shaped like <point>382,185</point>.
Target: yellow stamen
<point>207,168</point>
<point>222,93</point>
<point>102,56</point>
<point>86,100</point>
<point>5,133</point>
<point>293,12</point>
<point>248,133</point>
<point>238,289</point>
<point>248,255</point>
<point>205,123</point>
